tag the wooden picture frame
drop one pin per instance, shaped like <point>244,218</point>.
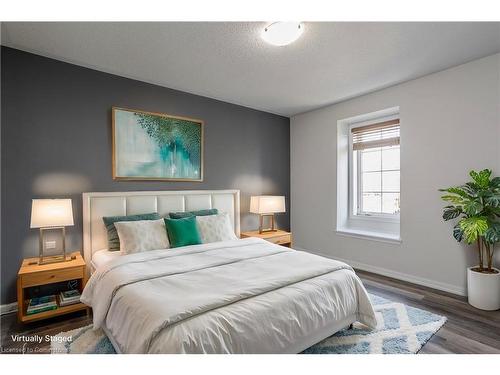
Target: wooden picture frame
<point>151,146</point>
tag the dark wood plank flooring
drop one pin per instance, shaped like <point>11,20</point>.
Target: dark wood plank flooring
<point>468,330</point>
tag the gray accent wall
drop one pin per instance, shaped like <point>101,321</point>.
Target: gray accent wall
<point>56,143</point>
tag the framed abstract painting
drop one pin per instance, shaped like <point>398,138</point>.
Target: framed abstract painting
<point>156,146</point>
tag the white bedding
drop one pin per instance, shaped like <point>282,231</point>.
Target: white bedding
<point>101,257</point>
<point>241,296</point>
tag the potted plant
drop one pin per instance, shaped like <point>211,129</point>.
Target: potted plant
<point>476,205</point>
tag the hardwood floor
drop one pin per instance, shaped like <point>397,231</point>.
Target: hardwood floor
<point>468,330</point>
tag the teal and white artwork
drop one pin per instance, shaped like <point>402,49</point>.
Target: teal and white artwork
<point>155,146</point>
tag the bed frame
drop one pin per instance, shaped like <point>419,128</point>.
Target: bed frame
<point>97,205</point>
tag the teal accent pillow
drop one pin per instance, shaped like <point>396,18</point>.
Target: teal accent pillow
<point>109,222</point>
<point>181,215</point>
<point>182,232</point>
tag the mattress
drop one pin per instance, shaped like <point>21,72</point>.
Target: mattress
<point>240,296</point>
<point>101,257</point>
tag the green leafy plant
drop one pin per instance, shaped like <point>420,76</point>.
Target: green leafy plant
<point>476,205</point>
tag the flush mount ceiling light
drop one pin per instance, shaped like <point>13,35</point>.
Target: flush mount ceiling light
<point>282,33</point>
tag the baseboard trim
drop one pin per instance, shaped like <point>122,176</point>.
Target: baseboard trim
<point>396,275</point>
<point>8,308</point>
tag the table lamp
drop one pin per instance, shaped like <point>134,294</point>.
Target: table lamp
<point>51,214</point>
<point>267,205</point>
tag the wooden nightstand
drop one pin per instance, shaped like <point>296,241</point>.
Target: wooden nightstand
<point>32,274</point>
<point>279,237</point>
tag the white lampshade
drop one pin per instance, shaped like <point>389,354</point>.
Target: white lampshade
<point>267,204</point>
<point>51,213</point>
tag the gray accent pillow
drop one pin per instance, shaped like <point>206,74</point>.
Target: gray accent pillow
<point>182,215</point>
<point>109,222</point>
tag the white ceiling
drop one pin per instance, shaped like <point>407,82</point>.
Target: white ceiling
<point>229,61</point>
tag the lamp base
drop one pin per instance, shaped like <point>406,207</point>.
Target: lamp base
<point>269,230</point>
<point>47,259</point>
<point>52,259</point>
<point>261,223</point>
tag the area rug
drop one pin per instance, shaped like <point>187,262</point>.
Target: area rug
<point>401,329</point>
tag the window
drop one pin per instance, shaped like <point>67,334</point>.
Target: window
<point>375,169</point>
<point>368,174</point>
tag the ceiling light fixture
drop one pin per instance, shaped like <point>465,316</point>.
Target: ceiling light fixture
<point>282,33</point>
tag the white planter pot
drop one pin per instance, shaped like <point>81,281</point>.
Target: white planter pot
<point>483,289</point>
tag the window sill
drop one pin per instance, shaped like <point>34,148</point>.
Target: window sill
<point>375,218</point>
<point>369,235</point>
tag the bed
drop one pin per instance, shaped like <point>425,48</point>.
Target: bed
<point>237,296</point>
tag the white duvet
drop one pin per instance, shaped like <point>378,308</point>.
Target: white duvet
<point>241,296</point>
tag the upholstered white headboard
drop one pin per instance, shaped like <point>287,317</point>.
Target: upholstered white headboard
<point>97,205</point>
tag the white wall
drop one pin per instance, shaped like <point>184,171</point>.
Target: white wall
<point>449,125</point>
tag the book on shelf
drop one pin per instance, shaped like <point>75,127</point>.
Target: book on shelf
<point>39,310</point>
<point>40,304</point>
<point>69,297</point>
<point>45,300</point>
<point>71,293</point>
<point>61,299</point>
<point>67,303</point>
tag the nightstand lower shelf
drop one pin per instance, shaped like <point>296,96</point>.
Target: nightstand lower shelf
<point>61,310</point>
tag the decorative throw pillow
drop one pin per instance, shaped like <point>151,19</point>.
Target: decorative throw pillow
<point>142,235</point>
<point>109,222</point>
<point>180,215</point>
<point>182,232</point>
<point>215,228</point>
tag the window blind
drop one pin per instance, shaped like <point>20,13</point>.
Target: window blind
<point>380,134</point>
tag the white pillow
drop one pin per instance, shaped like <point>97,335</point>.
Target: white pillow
<point>215,228</point>
<point>142,235</point>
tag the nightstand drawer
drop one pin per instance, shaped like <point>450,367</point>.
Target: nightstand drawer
<point>49,277</point>
<point>286,239</point>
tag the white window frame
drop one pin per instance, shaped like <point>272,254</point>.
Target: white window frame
<point>355,214</point>
<point>378,227</point>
